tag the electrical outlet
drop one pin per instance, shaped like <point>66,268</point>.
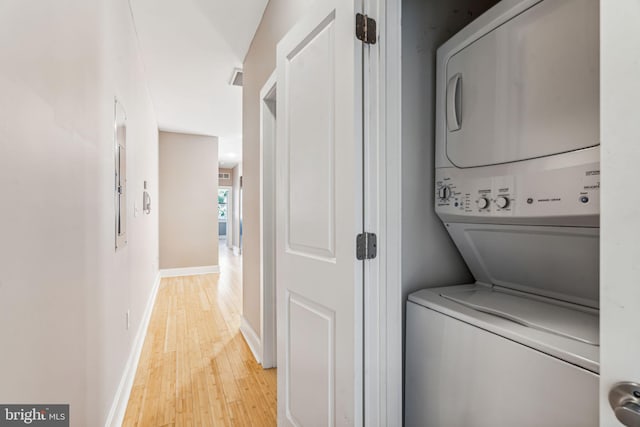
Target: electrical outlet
<point>128,315</point>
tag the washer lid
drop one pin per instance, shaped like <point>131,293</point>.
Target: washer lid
<point>567,320</point>
<point>554,330</point>
<point>555,262</point>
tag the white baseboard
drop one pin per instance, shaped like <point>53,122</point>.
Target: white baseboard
<point>121,399</point>
<point>236,251</point>
<point>252,339</point>
<point>189,271</point>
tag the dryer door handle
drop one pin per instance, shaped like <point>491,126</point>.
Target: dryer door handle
<point>454,103</point>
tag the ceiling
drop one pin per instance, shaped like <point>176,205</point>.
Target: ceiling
<point>190,49</point>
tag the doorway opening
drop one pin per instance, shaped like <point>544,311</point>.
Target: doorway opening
<point>224,211</point>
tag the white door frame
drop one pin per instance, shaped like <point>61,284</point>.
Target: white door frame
<point>267,223</point>
<point>383,399</point>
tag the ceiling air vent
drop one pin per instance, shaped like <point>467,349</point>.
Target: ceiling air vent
<point>236,78</point>
<point>224,175</point>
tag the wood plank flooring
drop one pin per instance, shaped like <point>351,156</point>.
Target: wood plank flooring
<point>195,368</point>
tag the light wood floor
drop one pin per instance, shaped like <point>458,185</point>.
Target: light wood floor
<point>195,368</point>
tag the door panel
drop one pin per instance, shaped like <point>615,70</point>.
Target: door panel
<point>319,214</point>
<point>309,74</point>
<point>527,89</point>
<point>311,355</point>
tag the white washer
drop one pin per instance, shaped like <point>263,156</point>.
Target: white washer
<point>499,358</point>
<point>517,187</point>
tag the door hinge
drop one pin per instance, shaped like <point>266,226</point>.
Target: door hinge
<point>366,29</point>
<point>366,246</point>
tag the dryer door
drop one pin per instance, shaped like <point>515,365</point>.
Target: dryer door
<point>527,89</point>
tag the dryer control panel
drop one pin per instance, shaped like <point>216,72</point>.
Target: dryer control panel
<point>517,194</point>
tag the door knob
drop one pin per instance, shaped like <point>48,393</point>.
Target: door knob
<point>624,399</point>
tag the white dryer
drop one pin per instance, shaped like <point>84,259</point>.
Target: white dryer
<point>517,187</point>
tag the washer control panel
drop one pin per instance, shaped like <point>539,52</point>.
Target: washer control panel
<point>563,192</point>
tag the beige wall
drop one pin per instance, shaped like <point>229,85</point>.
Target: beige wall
<point>279,16</point>
<point>225,182</point>
<point>188,200</point>
<point>64,290</point>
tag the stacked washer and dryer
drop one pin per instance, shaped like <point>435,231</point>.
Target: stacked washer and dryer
<point>517,188</point>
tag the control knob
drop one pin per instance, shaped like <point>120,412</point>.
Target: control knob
<point>502,202</point>
<point>483,203</point>
<point>444,193</point>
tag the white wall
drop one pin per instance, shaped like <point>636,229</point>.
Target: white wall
<point>64,291</point>
<point>188,200</point>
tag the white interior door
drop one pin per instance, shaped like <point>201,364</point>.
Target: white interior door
<point>620,223</point>
<point>319,214</point>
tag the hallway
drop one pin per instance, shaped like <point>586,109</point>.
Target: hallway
<point>195,368</point>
